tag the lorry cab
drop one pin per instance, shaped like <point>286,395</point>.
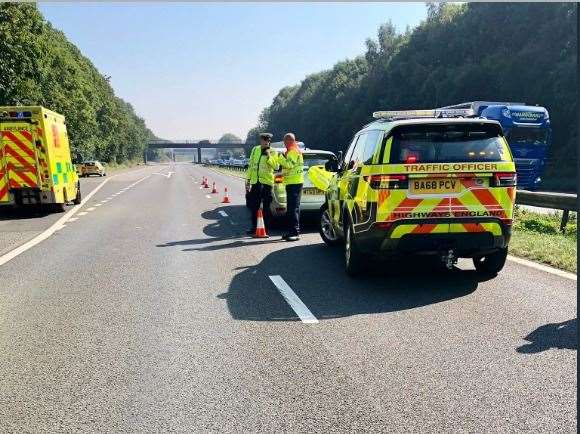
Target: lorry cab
<point>423,182</point>
<point>528,132</point>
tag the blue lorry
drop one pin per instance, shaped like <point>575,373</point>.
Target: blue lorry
<point>527,129</point>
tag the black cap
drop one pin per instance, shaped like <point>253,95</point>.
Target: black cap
<point>266,136</point>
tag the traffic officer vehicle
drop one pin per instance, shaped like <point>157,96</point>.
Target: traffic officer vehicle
<point>35,159</point>
<point>422,182</point>
<point>88,168</point>
<point>312,196</point>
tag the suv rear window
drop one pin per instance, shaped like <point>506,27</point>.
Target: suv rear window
<point>447,143</point>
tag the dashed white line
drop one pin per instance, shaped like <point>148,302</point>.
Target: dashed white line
<point>91,209</point>
<point>223,213</point>
<point>208,196</point>
<point>98,204</point>
<point>51,230</point>
<point>73,219</point>
<point>80,214</point>
<point>293,300</point>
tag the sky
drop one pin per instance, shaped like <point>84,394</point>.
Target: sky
<point>199,70</point>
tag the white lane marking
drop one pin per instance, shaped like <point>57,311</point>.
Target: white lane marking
<point>543,267</point>
<point>91,208</point>
<point>223,213</point>
<point>105,201</point>
<point>293,300</point>
<point>80,214</point>
<point>98,204</point>
<point>168,175</point>
<point>73,219</point>
<point>59,224</point>
<point>208,196</point>
<point>52,229</point>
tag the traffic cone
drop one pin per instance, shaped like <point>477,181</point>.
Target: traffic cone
<point>213,190</point>
<point>205,185</point>
<point>226,197</point>
<point>260,227</point>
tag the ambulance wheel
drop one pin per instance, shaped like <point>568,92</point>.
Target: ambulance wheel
<point>325,228</point>
<point>353,259</point>
<point>492,263</point>
<point>59,207</point>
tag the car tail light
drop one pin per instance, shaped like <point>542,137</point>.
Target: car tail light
<point>387,181</point>
<point>505,179</point>
<point>278,179</point>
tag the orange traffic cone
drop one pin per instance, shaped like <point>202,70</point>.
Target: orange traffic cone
<point>226,197</point>
<point>260,227</point>
<point>205,184</point>
<point>213,190</point>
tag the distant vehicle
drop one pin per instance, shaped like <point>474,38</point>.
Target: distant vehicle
<point>418,183</point>
<point>312,197</point>
<point>88,168</point>
<point>528,132</point>
<point>35,159</point>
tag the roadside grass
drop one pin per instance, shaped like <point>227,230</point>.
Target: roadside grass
<point>538,237</point>
<point>115,167</point>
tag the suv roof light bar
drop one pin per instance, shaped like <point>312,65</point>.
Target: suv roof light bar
<point>415,114</point>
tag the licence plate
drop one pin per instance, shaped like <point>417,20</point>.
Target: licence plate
<point>435,186</point>
<point>312,191</point>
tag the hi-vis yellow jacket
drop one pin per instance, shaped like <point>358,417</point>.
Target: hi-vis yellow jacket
<point>261,167</point>
<point>292,167</point>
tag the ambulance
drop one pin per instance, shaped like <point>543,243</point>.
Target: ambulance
<point>421,182</point>
<point>35,159</point>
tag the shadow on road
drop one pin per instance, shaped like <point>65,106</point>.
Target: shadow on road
<point>563,335</point>
<point>23,213</point>
<point>222,229</point>
<point>316,274</point>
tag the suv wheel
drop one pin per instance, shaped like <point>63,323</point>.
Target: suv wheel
<point>492,263</point>
<point>325,228</point>
<point>352,256</point>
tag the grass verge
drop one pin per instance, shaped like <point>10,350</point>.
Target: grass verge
<point>537,237</point>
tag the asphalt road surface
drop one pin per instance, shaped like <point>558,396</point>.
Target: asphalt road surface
<point>148,310</point>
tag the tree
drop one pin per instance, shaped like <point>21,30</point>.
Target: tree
<point>229,138</point>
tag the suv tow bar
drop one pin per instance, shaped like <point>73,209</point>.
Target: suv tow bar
<point>449,259</point>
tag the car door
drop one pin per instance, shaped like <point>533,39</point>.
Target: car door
<point>336,190</point>
<point>349,178</point>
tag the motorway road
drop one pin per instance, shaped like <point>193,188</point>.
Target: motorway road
<point>151,312</point>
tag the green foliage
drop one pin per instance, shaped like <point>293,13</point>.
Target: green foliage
<point>461,52</point>
<point>543,223</point>
<point>39,66</point>
<point>229,138</point>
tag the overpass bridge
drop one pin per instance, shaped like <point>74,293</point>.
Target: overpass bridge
<point>199,145</point>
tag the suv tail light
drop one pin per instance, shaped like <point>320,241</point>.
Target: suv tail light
<point>391,182</point>
<point>504,179</point>
<point>278,179</point>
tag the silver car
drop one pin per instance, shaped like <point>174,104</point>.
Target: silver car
<point>312,197</point>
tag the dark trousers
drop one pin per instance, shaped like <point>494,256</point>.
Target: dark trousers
<point>260,194</point>
<point>293,196</point>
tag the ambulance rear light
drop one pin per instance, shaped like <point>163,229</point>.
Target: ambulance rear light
<point>393,182</point>
<point>507,179</point>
